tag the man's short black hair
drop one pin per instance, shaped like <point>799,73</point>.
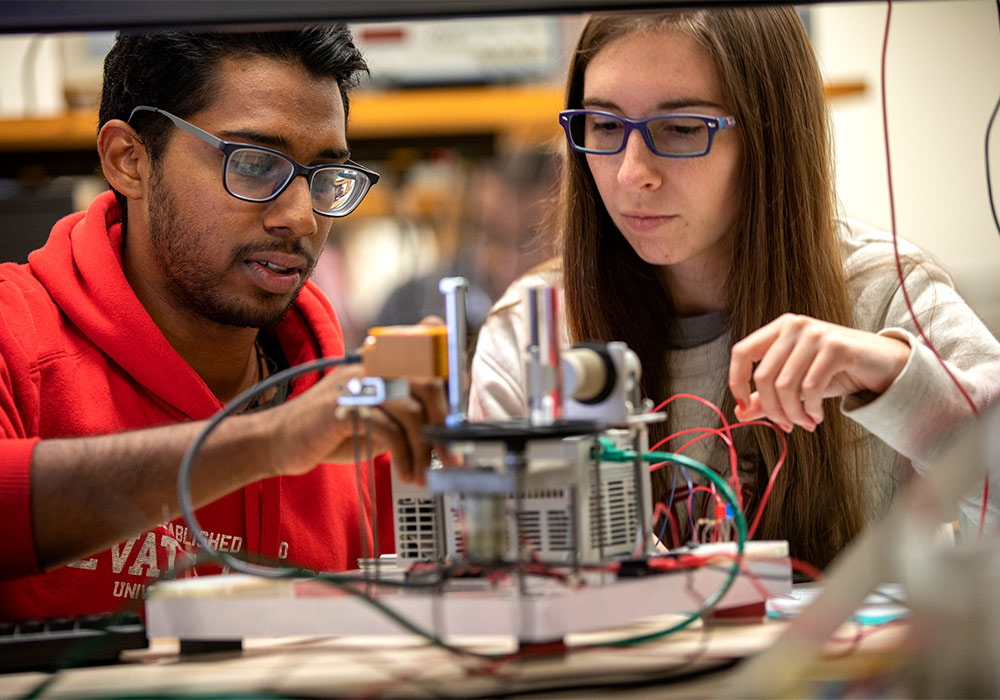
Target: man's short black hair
<point>174,71</point>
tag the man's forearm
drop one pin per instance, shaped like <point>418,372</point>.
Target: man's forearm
<point>92,492</point>
<point>89,493</point>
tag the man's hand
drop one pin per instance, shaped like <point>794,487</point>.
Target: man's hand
<point>317,432</point>
<point>801,361</point>
<point>80,484</point>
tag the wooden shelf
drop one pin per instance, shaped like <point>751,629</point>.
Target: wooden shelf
<point>75,130</point>
<point>524,113</point>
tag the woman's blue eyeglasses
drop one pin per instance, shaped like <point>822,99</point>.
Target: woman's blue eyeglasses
<point>260,174</point>
<point>669,135</point>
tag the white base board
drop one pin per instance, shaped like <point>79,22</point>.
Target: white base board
<point>236,606</point>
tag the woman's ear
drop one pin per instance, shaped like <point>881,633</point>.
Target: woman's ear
<point>124,159</point>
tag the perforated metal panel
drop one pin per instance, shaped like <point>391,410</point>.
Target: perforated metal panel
<point>614,518</point>
<point>576,509</point>
<point>417,527</point>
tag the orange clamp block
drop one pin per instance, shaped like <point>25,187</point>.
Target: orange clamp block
<point>405,351</point>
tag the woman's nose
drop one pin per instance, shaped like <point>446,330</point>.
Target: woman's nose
<point>640,166</point>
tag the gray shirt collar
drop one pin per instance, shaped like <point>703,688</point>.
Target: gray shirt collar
<point>693,331</point>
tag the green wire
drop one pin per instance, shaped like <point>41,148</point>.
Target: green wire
<point>607,452</point>
<point>612,454</point>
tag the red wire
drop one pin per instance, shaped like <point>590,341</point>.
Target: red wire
<point>899,264</point>
<point>704,510</point>
<point>737,487</point>
<point>725,423</point>
<point>705,432</point>
<point>654,467</point>
<point>806,568</point>
<point>796,564</point>
<point>733,458</point>
<point>682,493</point>
<point>774,472</point>
<point>706,490</point>
<point>718,500</point>
<point>863,631</point>
<point>661,508</point>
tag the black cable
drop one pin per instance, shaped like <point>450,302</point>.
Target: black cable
<point>344,583</point>
<point>227,558</point>
<point>989,128</point>
<point>184,475</point>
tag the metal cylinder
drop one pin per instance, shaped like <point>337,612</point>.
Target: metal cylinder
<point>454,290</point>
<point>543,369</point>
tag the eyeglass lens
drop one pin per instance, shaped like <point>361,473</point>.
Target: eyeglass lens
<point>671,135</point>
<point>258,175</point>
<point>335,190</point>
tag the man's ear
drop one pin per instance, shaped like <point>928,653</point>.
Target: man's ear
<point>124,159</point>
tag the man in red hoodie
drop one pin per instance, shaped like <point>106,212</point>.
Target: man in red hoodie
<point>168,297</point>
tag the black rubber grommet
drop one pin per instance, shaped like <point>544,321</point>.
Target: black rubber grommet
<point>609,365</point>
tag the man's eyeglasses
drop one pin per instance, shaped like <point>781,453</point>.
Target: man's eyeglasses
<point>260,174</point>
<point>668,135</point>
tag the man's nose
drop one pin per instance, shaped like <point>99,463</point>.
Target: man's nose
<point>292,210</point>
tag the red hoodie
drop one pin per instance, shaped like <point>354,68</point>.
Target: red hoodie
<point>79,355</point>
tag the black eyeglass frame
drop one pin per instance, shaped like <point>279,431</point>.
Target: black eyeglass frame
<point>713,124</point>
<point>229,147</point>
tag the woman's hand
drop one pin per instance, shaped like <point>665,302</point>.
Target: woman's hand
<point>801,361</point>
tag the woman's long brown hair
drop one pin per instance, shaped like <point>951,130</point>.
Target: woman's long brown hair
<point>784,255</point>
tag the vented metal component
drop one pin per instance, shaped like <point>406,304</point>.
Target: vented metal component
<point>614,518</point>
<point>416,529</point>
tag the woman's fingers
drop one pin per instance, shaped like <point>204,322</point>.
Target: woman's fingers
<point>777,372</point>
<point>795,362</point>
<point>744,354</point>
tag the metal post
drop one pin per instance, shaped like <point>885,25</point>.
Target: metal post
<point>454,290</point>
<point>544,371</point>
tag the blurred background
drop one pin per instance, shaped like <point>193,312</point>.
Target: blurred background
<point>460,120</point>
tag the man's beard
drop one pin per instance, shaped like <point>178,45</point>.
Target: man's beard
<point>190,279</point>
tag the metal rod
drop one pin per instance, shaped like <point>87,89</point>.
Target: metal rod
<point>517,462</point>
<point>454,290</point>
<point>544,371</point>
<point>643,491</point>
<point>372,493</point>
<point>362,515</point>
<point>645,527</point>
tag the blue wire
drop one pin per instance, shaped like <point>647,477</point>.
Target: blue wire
<point>673,487</point>
<point>690,490</point>
<point>669,504</point>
